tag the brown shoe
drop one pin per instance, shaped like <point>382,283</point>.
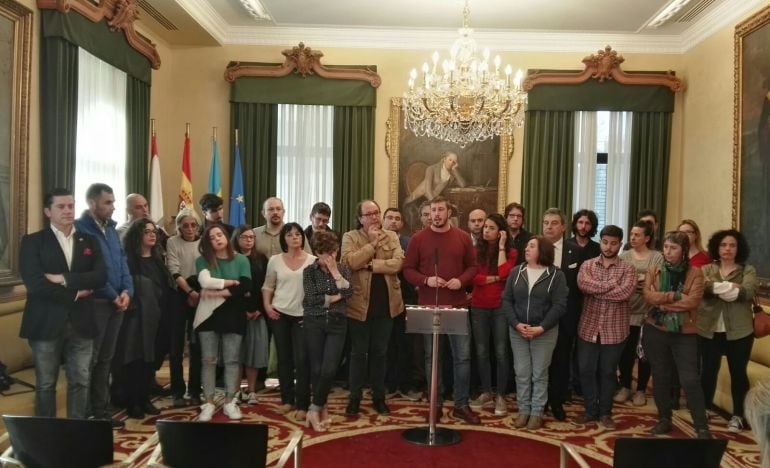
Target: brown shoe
<point>466,414</point>
<point>583,419</point>
<point>607,422</point>
<point>535,423</point>
<point>521,421</point>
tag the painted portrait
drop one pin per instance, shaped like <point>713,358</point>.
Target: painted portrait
<point>751,200</point>
<point>470,177</point>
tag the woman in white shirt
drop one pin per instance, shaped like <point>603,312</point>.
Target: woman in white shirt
<point>283,294</point>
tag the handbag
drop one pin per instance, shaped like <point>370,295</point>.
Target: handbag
<point>761,320</point>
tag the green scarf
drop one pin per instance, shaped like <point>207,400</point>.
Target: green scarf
<point>672,279</point>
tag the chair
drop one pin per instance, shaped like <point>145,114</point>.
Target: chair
<point>187,444</point>
<point>633,452</point>
<point>44,442</point>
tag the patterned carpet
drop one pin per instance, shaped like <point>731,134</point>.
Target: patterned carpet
<point>594,443</point>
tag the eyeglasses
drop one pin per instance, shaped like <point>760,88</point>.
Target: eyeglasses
<point>247,236</point>
<point>373,213</point>
<point>150,231</point>
<point>515,215</point>
<point>189,225</point>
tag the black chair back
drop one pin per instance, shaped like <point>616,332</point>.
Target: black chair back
<point>187,444</point>
<point>40,442</point>
<point>668,453</point>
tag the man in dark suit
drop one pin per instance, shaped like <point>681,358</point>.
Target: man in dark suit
<point>567,257</point>
<point>60,268</point>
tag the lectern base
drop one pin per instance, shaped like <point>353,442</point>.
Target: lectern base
<point>442,436</point>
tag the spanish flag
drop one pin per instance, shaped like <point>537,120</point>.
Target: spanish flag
<point>186,190</point>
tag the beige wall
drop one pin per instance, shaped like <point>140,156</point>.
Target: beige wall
<point>189,87</point>
<point>197,93</point>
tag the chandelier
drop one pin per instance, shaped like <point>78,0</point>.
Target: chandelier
<point>466,99</point>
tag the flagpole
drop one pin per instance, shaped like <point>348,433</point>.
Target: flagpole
<point>187,129</point>
<point>236,136</point>
<point>152,127</point>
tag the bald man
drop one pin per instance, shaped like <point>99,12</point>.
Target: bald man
<point>476,224</point>
<point>268,234</point>
<point>136,208</point>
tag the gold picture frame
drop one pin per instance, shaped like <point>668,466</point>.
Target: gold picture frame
<point>751,141</point>
<point>16,54</point>
<point>487,178</point>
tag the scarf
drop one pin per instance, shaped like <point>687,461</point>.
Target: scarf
<point>671,279</point>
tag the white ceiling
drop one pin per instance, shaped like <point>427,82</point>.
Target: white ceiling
<point>513,25</point>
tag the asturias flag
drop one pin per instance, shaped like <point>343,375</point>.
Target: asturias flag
<point>186,191</point>
<point>156,191</point>
<point>237,199</point>
<point>215,185</point>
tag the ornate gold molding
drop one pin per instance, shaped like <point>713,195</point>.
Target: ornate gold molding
<point>120,15</point>
<point>302,60</point>
<point>605,65</point>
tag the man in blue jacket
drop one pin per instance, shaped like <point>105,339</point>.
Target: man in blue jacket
<point>111,300</point>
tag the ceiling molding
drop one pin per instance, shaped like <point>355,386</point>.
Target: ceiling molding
<point>411,39</point>
<point>726,13</point>
<point>209,19</point>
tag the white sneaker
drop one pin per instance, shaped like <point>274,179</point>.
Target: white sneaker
<point>251,398</point>
<point>485,399</point>
<point>735,424</point>
<point>207,411</point>
<point>623,395</point>
<point>232,411</point>
<point>501,406</point>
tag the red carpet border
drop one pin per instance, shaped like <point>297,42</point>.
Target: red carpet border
<point>595,443</point>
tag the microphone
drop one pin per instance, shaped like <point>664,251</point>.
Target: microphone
<point>435,258</point>
<point>435,272</point>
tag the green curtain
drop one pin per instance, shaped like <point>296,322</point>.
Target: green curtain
<point>257,126</point>
<point>549,147</point>
<point>138,135</point>
<point>650,147</point>
<point>59,113</point>
<point>353,162</point>
<point>305,90</point>
<point>608,95</point>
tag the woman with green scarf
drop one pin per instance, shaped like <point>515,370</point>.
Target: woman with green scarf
<point>674,289</point>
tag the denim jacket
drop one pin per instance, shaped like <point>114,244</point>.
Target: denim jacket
<point>118,276</point>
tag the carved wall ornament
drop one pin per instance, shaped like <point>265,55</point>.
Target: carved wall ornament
<point>119,14</point>
<point>604,65</point>
<point>305,61</point>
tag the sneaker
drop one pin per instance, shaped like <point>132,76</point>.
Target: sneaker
<point>639,399</point>
<point>501,406</point>
<point>251,398</point>
<point>661,427</point>
<point>735,424</point>
<point>607,422</point>
<point>207,411</point>
<point>521,421</point>
<point>232,411</point>
<point>535,423</point>
<point>485,399</point>
<point>413,395</point>
<point>623,395</point>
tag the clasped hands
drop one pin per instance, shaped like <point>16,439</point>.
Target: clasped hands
<point>439,282</point>
<point>528,332</point>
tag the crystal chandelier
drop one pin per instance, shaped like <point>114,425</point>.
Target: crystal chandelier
<point>466,100</point>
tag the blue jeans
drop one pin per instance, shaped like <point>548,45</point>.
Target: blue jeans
<point>598,364</point>
<point>531,359</point>
<point>461,354</point>
<point>324,340</point>
<point>48,355</point>
<point>231,354</point>
<point>108,322</point>
<point>492,322</point>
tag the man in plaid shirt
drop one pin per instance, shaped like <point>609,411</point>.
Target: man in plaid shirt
<point>607,283</point>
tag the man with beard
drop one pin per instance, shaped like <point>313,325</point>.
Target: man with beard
<point>584,227</point>
<point>448,249</point>
<point>514,218</point>
<point>607,283</point>
<point>267,241</point>
<point>567,257</point>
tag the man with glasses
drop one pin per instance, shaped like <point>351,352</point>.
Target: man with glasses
<point>514,217</point>
<point>374,257</point>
